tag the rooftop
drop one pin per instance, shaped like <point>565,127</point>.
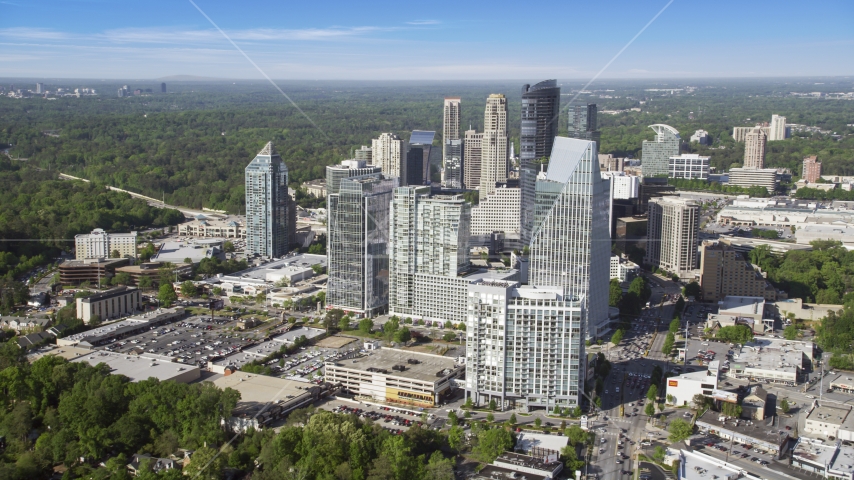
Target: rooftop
<point>141,367</point>
<point>835,456</point>
<point>526,441</point>
<point>258,390</point>
<point>177,252</point>
<point>111,293</point>
<point>697,465</point>
<point>737,305</point>
<point>292,263</point>
<point>767,354</point>
<point>402,363</point>
<point>751,431</point>
<point>828,414</point>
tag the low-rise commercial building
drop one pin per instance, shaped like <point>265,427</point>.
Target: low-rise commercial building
<point>194,250</point>
<point>125,328</point>
<point>830,422</point>
<point>804,311</point>
<point>745,244</point>
<point>523,466</point>
<point>775,360</point>
<point>694,465</point>
<point>291,269</point>
<point>623,269</point>
<point>807,234</point>
<point>770,436</point>
<point>114,303</point>
<point>828,460</point>
<point>213,226</point>
<point>152,271</point>
<point>768,212</point>
<point>142,367</point>
<point>100,244</point>
<point>315,188</point>
<point>397,376</point>
<point>93,271</point>
<point>682,389</point>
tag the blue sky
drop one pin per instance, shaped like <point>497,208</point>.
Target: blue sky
<point>453,40</point>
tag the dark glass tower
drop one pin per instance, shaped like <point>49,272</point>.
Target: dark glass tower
<point>540,106</point>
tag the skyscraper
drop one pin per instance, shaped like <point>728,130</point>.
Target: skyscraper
<point>163,87</point>
<point>387,152</point>
<point>365,154</point>
<point>428,235</point>
<point>570,244</point>
<point>452,154</point>
<point>673,234</point>
<point>777,130</point>
<point>472,153</point>
<point>357,246</point>
<point>267,204</point>
<point>540,107</point>
<point>347,169</point>
<point>656,154</point>
<point>39,88</point>
<point>493,163</point>
<point>583,122</point>
<point>417,165</point>
<point>754,148</point>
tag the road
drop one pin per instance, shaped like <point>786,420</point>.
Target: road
<point>188,212</point>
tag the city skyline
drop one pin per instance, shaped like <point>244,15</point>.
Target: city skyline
<point>66,39</point>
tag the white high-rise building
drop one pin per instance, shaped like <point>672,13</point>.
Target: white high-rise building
<point>493,163</point>
<point>702,137</point>
<point>570,242</point>
<point>100,244</point>
<point>386,153</point>
<point>688,165</point>
<point>428,235</point>
<point>673,232</point>
<point>777,130</point>
<point>267,204</point>
<point>524,346</point>
<point>754,149</point>
<point>623,187</point>
<point>498,212</point>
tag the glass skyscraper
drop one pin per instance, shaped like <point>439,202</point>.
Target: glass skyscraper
<point>570,241</point>
<point>583,122</point>
<point>267,204</point>
<point>655,156</point>
<point>540,107</point>
<point>357,245</point>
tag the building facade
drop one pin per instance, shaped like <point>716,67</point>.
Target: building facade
<point>688,165</point>
<point>753,177</point>
<point>498,212</point>
<point>472,155</point>
<point>100,244</point>
<point>656,154</point>
<point>583,122</point>
<point>428,235</point>
<point>417,167</point>
<point>777,130</point>
<point>452,146</point>
<point>114,303</point>
<point>812,169</point>
<point>357,245</point>
<point>570,243</point>
<point>754,148</point>
<point>623,270</point>
<point>493,160</point>
<point>386,153</point>
<point>673,234</point>
<point>364,154</point>
<point>540,107</point>
<point>702,137</point>
<point>267,202</point>
<point>724,271</point>
<point>212,227</point>
<point>347,169</point>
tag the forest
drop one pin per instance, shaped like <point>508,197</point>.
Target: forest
<point>39,206</point>
<point>191,146</point>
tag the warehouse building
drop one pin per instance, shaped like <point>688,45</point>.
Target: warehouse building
<point>141,367</point>
<point>397,376</point>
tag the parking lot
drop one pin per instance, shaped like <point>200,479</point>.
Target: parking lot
<point>194,340</point>
<point>392,419</point>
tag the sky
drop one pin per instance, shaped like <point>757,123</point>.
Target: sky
<point>435,40</point>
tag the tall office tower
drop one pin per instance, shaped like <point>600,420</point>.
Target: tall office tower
<point>357,245</point>
<point>540,107</point>
<point>672,234</point>
<point>452,155</point>
<point>656,154</point>
<point>570,242</point>
<point>39,88</point>
<point>267,204</point>
<point>163,87</point>
<point>121,93</point>
<point>754,148</point>
<point>493,160</point>
<point>524,346</point>
<point>472,152</point>
<point>347,169</point>
<point>417,166</point>
<point>427,235</point>
<point>812,169</point>
<point>365,154</point>
<point>584,122</point>
<point>387,152</point>
<point>777,129</point>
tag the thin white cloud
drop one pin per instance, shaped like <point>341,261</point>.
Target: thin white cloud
<point>33,33</point>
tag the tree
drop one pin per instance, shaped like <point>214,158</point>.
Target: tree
<point>166,295</point>
<point>735,334</point>
<point>115,254</point>
<point>452,418</point>
<point>659,454</point>
<point>490,417</point>
<point>649,410</point>
<point>660,407</point>
<point>144,283</point>
<point>784,405</point>
<point>492,405</point>
<point>205,464</point>
<point>344,323</point>
<point>189,289</point>
<point>615,293</point>
<point>456,438</point>
<point>790,332</point>
<point>366,325</point>
<point>617,336</point>
<point>674,325</point>
<point>669,340</point>
<point>122,278</point>
<point>402,335</point>
<point>439,467</point>
<point>679,430</point>
<point>670,398</point>
<point>570,455</point>
<point>576,435</point>
<point>652,393</point>
<point>701,401</point>
<point>228,246</point>
<point>691,290</point>
<point>538,422</point>
<point>513,418</point>
<point>491,443</point>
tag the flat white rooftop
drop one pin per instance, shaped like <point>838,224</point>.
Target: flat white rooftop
<point>141,367</point>
<point>696,465</point>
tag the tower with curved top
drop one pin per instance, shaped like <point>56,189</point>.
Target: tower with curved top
<point>655,154</point>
